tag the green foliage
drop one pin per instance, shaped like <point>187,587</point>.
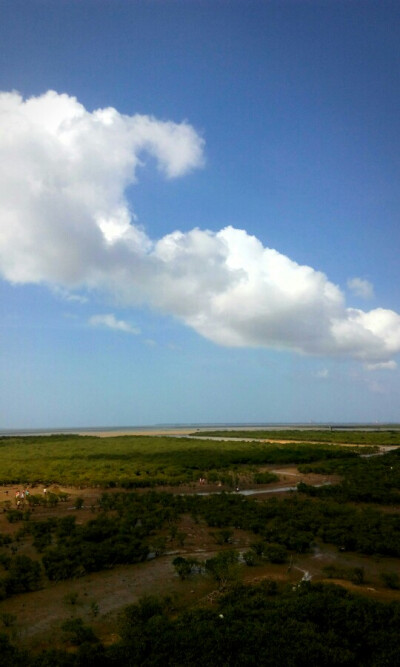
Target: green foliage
<point>332,571</point>
<point>275,553</point>
<point>77,632</point>
<point>223,536</point>
<point>126,536</point>
<point>158,545</point>
<point>78,503</point>
<point>52,499</point>
<point>265,477</point>
<point>250,558</point>
<point>10,656</point>
<point>23,574</point>
<point>272,552</point>
<point>357,575</point>
<point>366,480</point>
<point>314,624</point>
<point>42,533</point>
<point>184,567</point>
<point>256,625</point>
<point>66,526</point>
<point>391,580</point>
<point>141,461</point>
<point>5,560</point>
<point>129,526</point>
<point>5,540</point>
<point>295,522</point>
<point>258,548</point>
<point>224,567</point>
<point>14,515</point>
<point>353,574</point>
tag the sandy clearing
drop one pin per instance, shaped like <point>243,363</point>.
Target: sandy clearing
<point>145,431</point>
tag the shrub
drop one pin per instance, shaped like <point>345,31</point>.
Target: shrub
<point>78,632</point>
<point>185,566</point>
<point>23,575</point>
<point>357,575</point>
<point>265,477</point>
<point>223,536</point>
<point>275,553</point>
<point>391,580</point>
<point>78,504</point>
<point>249,558</point>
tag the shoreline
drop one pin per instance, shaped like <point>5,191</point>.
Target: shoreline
<point>187,429</point>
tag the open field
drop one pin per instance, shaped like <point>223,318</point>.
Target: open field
<point>73,556</point>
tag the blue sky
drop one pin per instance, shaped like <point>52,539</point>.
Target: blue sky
<point>269,128</point>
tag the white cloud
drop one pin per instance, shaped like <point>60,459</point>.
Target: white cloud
<point>65,222</point>
<point>63,173</point>
<point>384,365</point>
<point>65,295</point>
<point>150,342</point>
<point>360,287</point>
<point>109,321</point>
<point>375,387</point>
<point>323,373</point>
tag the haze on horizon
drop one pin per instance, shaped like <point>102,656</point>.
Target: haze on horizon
<point>199,213</point>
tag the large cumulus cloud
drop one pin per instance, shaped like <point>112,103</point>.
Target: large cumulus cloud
<point>65,221</point>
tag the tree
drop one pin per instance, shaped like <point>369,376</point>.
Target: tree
<point>391,580</point>
<point>78,632</point>
<point>185,566</point>
<point>224,567</point>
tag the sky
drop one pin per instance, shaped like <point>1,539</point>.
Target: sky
<point>199,212</point>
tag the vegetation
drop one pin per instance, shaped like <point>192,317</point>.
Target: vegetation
<point>265,477</point>
<point>141,461</point>
<point>310,625</point>
<point>339,436</point>
<point>365,480</point>
<point>294,623</point>
<point>132,526</point>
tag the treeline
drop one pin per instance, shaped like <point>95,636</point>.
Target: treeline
<point>296,522</point>
<point>144,461</point>
<point>250,626</point>
<point>124,533</point>
<point>21,575</point>
<point>365,480</point>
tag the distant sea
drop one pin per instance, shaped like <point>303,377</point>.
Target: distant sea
<point>200,426</point>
